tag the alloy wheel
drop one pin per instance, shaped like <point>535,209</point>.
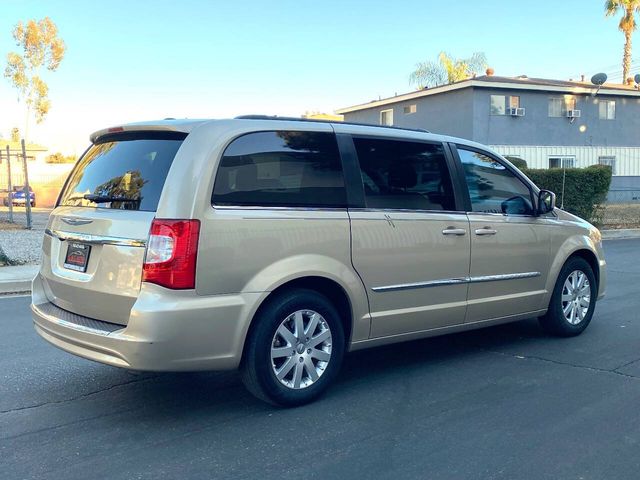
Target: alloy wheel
<point>576,297</point>
<point>301,349</point>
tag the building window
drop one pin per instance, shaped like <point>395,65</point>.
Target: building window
<point>410,109</point>
<point>609,161</point>
<point>500,103</point>
<point>607,109</point>
<point>497,105</point>
<point>386,117</point>
<point>558,107</point>
<point>562,161</point>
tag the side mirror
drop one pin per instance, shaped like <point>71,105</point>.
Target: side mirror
<point>546,202</point>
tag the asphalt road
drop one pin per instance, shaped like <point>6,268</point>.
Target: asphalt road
<point>500,403</point>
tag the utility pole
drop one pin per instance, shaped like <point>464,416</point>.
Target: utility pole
<point>10,187</point>
<point>27,195</point>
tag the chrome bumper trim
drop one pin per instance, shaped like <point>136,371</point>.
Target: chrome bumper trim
<point>95,239</point>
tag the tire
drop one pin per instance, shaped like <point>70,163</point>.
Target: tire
<point>275,332</point>
<point>570,313</point>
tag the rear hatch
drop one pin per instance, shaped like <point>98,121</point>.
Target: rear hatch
<point>94,246</point>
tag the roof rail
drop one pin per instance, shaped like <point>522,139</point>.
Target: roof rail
<point>317,120</point>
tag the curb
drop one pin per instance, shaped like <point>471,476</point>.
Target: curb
<point>620,234</point>
<point>19,286</point>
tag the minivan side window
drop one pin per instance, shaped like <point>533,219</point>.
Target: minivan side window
<point>281,169</point>
<point>404,175</point>
<point>493,188</point>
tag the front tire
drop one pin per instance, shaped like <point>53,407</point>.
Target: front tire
<point>294,349</point>
<point>573,300</point>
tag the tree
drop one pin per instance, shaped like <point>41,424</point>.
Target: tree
<point>447,70</point>
<point>41,47</point>
<point>627,25</point>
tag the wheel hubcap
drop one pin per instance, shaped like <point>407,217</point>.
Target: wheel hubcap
<point>576,297</point>
<point>301,349</point>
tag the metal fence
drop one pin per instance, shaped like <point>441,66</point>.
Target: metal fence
<point>15,208</point>
<point>623,195</point>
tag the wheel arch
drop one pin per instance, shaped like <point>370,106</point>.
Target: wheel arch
<point>591,259</point>
<point>577,246</point>
<point>336,293</point>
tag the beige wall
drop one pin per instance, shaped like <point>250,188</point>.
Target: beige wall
<point>45,179</point>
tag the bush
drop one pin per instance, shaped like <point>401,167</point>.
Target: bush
<point>518,162</point>
<point>60,158</point>
<point>585,189</point>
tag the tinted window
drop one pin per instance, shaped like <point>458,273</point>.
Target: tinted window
<point>131,168</point>
<point>404,175</point>
<point>294,169</point>
<point>492,187</point>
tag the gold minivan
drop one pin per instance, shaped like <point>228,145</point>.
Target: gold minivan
<point>275,245</point>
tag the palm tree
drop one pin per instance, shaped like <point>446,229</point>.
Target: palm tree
<point>627,25</point>
<point>447,69</point>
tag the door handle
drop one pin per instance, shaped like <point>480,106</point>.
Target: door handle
<point>485,231</point>
<point>454,231</point>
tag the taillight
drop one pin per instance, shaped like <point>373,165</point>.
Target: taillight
<point>170,260</point>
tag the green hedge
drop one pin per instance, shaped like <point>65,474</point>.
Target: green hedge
<point>585,189</point>
<point>517,162</point>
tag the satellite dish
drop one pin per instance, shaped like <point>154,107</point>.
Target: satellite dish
<point>637,78</point>
<point>599,78</point>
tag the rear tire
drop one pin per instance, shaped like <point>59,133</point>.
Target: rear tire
<point>573,300</point>
<point>294,349</point>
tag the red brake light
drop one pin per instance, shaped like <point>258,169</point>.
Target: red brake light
<point>170,260</point>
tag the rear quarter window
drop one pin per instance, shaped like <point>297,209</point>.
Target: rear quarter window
<point>281,169</point>
<point>131,169</point>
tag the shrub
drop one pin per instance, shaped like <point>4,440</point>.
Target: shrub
<point>517,162</point>
<point>60,158</point>
<point>585,189</point>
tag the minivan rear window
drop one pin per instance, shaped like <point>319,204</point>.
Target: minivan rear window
<point>126,171</point>
<point>281,169</point>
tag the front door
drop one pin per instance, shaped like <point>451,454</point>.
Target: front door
<point>411,242</point>
<point>510,246</point>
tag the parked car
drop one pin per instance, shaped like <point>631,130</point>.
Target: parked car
<point>18,196</point>
<point>274,246</point>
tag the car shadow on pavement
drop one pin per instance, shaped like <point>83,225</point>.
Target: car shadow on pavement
<point>220,394</point>
<point>439,350</point>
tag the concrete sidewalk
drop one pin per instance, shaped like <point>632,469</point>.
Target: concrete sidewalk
<point>17,279</point>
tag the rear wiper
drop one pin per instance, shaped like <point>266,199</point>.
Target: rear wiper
<point>104,199</point>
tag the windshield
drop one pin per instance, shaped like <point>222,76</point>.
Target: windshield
<point>123,172</point>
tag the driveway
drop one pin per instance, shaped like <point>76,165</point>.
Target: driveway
<point>502,403</point>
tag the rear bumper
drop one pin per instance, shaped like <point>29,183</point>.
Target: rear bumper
<point>167,330</point>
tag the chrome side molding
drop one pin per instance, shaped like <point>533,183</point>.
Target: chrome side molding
<point>95,239</point>
<point>506,276</point>
<point>456,281</point>
<point>432,283</point>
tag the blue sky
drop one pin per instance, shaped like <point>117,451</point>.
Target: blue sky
<point>137,59</point>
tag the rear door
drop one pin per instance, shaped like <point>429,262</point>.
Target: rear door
<point>510,246</point>
<point>410,241</point>
<point>94,245</point>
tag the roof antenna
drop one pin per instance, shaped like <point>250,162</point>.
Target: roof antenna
<point>598,79</point>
